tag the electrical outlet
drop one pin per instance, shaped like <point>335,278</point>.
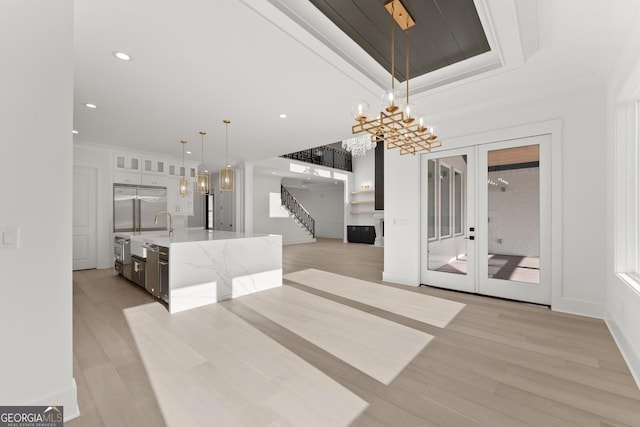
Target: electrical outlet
<point>9,237</point>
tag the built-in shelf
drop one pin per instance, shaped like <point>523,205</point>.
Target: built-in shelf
<point>361,197</point>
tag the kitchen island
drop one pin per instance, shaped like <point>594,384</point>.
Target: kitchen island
<point>206,266</point>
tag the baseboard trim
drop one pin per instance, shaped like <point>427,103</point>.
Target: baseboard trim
<point>67,398</point>
<point>581,308</point>
<point>625,347</point>
<point>400,279</point>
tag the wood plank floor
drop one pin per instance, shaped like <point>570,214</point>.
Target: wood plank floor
<point>497,363</point>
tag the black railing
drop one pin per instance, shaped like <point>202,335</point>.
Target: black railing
<point>325,156</point>
<point>298,210</point>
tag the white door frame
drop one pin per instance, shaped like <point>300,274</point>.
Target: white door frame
<point>553,128</point>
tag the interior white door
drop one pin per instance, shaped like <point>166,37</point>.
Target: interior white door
<point>514,248</point>
<point>448,222</point>
<point>84,218</point>
<point>486,219</point>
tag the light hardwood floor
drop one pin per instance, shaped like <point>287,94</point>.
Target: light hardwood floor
<point>497,363</point>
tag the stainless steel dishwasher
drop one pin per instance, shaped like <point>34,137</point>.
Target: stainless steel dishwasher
<point>138,273</point>
<point>153,269</point>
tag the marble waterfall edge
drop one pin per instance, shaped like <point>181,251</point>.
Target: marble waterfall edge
<point>204,272</point>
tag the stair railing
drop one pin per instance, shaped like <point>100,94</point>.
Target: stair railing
<point>323,155</point>
<point>298,210</point>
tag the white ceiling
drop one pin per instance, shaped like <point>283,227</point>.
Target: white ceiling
<point>197,62</point>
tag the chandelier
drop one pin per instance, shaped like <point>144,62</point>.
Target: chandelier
<point>359,145</point>
<point>399,127</point>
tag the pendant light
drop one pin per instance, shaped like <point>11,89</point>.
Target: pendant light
<point>227,175</point>
<point>202,182</point>
<point>183,188</point>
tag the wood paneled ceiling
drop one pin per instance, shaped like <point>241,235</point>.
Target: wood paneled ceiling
<point>446,32</point>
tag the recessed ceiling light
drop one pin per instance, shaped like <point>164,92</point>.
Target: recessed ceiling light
<point>206,171</point>
<point>74,131</point>
<point>122,56</point>
<point>283,116</point>
<point>188,152</point>
<point>90,105</point>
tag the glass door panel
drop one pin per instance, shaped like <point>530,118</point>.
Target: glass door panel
<point>515,205</point>
<point>447,204</point>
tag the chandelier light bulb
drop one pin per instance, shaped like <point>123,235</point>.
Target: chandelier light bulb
<point>389,101</point>
<point>410,112</point>
<point>361,111</point>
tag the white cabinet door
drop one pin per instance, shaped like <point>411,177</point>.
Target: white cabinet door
<point>154,166</point>
<point>155,180</point>
<point>176,169</point>
<point>177,204</point>
<point>132,178</point>
<point>127,162</point>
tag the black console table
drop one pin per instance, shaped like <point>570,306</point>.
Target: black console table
<point>361,234</point>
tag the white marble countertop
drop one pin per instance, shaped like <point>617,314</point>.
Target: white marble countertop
<point>184,236</point>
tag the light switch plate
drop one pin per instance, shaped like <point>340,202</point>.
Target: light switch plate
<point>9,237</point>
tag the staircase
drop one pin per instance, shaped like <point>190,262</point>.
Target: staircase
<point>298,212</point>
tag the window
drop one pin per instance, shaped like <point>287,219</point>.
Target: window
<point>445,201</point>
<point>431,190</point>
<point>627,180</point>
<point>446,210</point>
<point>457,202</point>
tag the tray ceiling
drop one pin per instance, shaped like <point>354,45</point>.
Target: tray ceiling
<point>446,32</point>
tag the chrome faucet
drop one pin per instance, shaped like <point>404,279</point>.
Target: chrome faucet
<point>155,221</point>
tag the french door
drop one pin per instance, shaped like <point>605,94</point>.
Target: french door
<point>486,219</point>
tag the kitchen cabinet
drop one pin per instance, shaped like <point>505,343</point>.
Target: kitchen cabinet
<point>132,178</point>
<point>127,162</point>
<point>176,170</point>
<point>176,204</point>
<point>188,170</point>
<point>155,180</point>
<point>154,166</point>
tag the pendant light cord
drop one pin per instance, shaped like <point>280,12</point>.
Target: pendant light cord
<point>393,49</point>
<point>406,32</point>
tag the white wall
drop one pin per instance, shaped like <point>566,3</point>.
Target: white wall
<point>36,106</point>
<point>326,206</point>
<point>278,222</point>
<point>579,103</point>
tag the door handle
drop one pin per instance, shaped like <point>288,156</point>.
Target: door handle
<point>470,238</point>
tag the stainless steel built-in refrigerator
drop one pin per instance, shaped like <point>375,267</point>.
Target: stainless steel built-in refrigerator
<point>135,207</point>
